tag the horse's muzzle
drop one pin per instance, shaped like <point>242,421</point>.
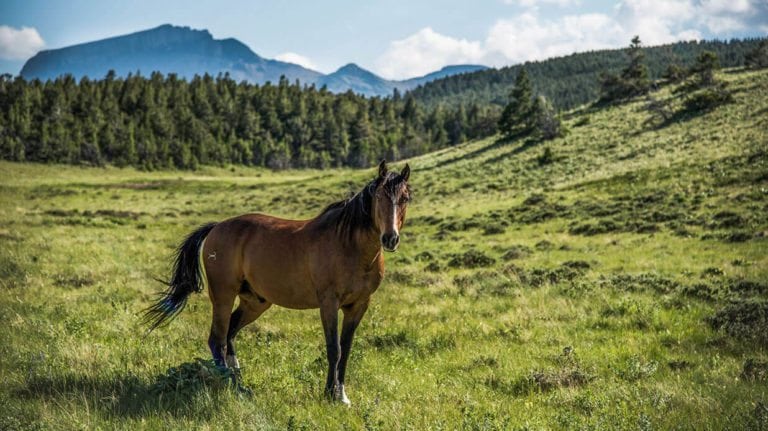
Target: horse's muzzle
<point>390,241</point>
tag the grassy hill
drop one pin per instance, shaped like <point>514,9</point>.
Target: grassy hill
<point>619,284</point>
<point>573,80</point>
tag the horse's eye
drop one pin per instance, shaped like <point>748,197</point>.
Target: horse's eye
<point>404,200</point>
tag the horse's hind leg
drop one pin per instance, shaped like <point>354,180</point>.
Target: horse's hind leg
<point>250,308</point>
<point>222,300</point>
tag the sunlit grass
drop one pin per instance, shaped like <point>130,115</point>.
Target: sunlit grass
<point>638,237</point>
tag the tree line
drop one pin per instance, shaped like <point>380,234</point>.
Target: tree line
<point>529,115</point>
<point>574,80</point>
<point>160,121</point>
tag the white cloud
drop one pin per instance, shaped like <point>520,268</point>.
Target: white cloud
<point>426,51</point>
<point>19,44</point>
<point>528,36</point>
<point>659,22</point>
<point>727,6</point>
<point>536,3</point>
<point>292,57</point>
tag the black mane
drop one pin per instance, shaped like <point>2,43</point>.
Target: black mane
<point>356,213</point>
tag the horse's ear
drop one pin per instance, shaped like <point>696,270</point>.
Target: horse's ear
<point>406,172</point>
<point>382,168</point>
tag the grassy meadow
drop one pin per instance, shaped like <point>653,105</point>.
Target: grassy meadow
<point>617,281</point>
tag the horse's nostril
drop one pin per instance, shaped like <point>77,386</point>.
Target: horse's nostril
<point>390,241</point>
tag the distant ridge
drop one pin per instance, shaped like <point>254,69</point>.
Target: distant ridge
<point>188,52</point>
<point>571,80</point>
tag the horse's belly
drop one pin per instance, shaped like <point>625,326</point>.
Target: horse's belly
<point>286,292</point>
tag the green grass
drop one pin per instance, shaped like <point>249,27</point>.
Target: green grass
<point>574,294</point>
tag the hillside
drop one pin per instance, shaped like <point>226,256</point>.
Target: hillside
<point>572,80</point>
<point>187,52</point>
<point>620,284</point>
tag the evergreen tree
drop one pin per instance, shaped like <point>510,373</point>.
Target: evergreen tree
<point>548,125</point>
<point>758,57</point>
<point>633,80</point>
<point>704,69</point>
<point>517,115</point>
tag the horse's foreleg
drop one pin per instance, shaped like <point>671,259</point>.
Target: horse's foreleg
<point>353,314</point>
<point>329,314</point>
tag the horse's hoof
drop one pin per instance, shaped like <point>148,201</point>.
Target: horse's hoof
<point>244,391</point>
<point>340,396</point>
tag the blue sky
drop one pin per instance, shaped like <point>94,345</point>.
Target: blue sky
<point>396,39</point>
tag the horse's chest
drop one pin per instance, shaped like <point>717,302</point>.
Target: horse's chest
<point>358,286</point>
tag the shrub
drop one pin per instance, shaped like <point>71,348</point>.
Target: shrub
<point>546,157</point>
<point>755,370</point>
<point>708,99</point>
<point>470,259</point>
<point>745,319</point>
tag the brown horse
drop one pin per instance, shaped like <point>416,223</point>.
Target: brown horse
<point>330,262</point>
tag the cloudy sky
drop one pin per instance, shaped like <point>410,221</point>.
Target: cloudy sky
<point>396,38</point>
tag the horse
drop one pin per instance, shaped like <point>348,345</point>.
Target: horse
<point>332,262</point>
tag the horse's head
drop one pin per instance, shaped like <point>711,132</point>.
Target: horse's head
<point>390,199</point>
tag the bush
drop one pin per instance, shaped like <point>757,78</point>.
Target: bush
<point>708,99</point>
<point>755,370</point>
<point>745,319</point>
<point>546,157</point>
<point>470,259</point>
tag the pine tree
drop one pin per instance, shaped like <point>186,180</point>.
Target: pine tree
<point>517,115</point>
<point>633,80</point>
<point>704,69</point>
<point>635,75</point>
<point>548,125</point>
<point>758,57</point>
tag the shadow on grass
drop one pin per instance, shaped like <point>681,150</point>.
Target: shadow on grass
<point>500,142</point>
<point>527,144</point>
<point>127,396</point>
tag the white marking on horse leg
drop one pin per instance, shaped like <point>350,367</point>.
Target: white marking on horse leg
<point>232,362</point>
<point>341,396</point>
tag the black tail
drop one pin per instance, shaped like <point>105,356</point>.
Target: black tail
<point>186,279</point>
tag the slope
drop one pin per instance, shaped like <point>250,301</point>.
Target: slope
<point>621,285</point>
<point>572,80</point>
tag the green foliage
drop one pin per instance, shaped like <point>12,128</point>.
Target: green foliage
<point>704,69</point>
<point>709,98</point>
<point>546,157</point>
<point>518,115</point>
<point>547,122</point>
<point>448,348</point>
<point>675,73</point>
<point>163,122</point>
<point>746,319</point>
<point>757,58</point>
<point>633,79</point>
<point>573,80</point>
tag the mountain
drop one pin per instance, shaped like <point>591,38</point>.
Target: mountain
<point>358,79</point>
<point>168,49</point>
<point>188,52</point>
